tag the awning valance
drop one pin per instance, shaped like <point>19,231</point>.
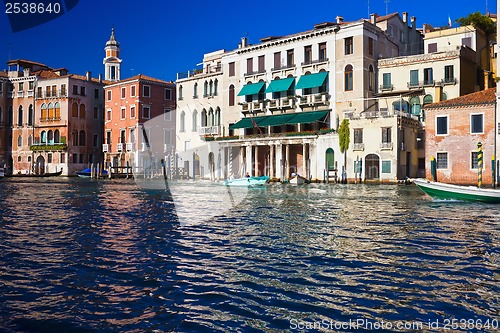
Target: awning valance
<point>307,117</point>
<point>280,85</point>
<point>280,119</point>
<point>311,80</point>
<point>251,89</point>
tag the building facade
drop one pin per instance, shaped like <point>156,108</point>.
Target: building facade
<point>454,128</point>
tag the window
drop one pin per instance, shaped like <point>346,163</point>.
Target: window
<point>195,121</point>
<point>428,99</point>
<point>428,79</point>
<point>75,158</point>
<point>122,136</point>
<point>432,47</point>
<point>348,80</point>
<point>442,161</point>
<point>441,125</point>
<point>82,111</point>
<point>83,139</point>
<point>182,122</point>
<point>371,49</point>
<point>81,158</point>
<point>474,164</point>
<point>290,62</point>
<point>262,64</point>
<point>63,158</point>
<point>322,51</point>
<point>146,110</point>
<point>47,91</point>
<point>195,90</point>
<point>307,54</point>
<point>57,136</point>
<point>123,92</point>
<point>277,60</point>
<point>386,134</point>
<point>358,135</point>
<point>96,93</point>
<point>20,116</point>
<point>467,41</point>
<point>146,91</point>
<point>63,90</point>
<point>386,166</point>
<point>108,114</point>
<point>180,93</point>
<point>123,111</point>
<point>109,95</point>
<point>476,123</point>
<point>348,45</point>
<point>82,91</point>
<point>231,95</point>
<point>132,91</point>
<point>21,86</point>
<point>216,87</point>
<point>232,71</point>
<point>74,110</point>
<point>249,66</point>
<point>19,141</point>
<point>167,114</point>
<point>49,158</point>
<point>39,92</point>
<point>54,91</point>
<point>95,140</point>
<point>414,78</point>
<point>168,94</point>
<point>96,112</point>
<point>386,81</point>
<point>132,111</point>
<point>449,76</point>
<point>51,110</point>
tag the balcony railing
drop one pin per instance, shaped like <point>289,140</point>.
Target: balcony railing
<point>358,146</point>
<point>386,145</point>
<point>119,147</point>
<point>105,148</point>
<point>130,146</point>
<point>209,130</point>
<point>449,80</point>
<point>48,147</point>
<point>386,87</point>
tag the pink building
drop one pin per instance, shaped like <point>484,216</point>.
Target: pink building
<point>453,129</point>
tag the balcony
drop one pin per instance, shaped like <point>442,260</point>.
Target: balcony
<point>386,146</point>
<point>20,94</point>
<point>105,148</point>
<point>358,146</point>
<point>209,130</point>
<point>130,146</point>
<point>119,147</point>
<point>449,81</point>
<point>48,147</point>
<point>273,104</point>
<point>387,87</point>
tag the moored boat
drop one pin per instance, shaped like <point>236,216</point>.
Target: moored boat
<point>37,175</point>
<point>297,179</point>
<point>457,192</point>
<point>2,173</point>
<point>87,173</point>
<point>247,181</point>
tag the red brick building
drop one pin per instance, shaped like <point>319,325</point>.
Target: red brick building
<point>453,129</point>
<point>137,105</point>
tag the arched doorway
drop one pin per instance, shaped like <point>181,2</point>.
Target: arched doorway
<point>372,167</point>
<point>211,165</point>
<point>330,159</point>
<point>40,165</point>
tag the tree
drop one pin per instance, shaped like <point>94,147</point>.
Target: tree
<point>344,140</point>
<point>479,21</point>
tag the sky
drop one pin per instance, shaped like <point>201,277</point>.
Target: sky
<point>163,38</point>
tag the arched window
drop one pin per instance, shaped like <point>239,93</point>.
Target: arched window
<point>43,137</point>
<point>29,159</point>
<point>195,90</point>
<point>82,111</point>
<point>195,121</point>
<point>19,159</point>
<point>20,116</point>
<point>231,95</point>
<point>51,111</point>
<point>216,87</point>
<point>217,117</point>
<point>50,137</point>
<point>31,115</point>
<point>371,78</point>
<point>203,118</point>
<point>19,141</point>
<point>82,138</point>
<point>211,88</point>
<point>57,136</point>
<point>400,105</point>
<point>74,135</point>
<point>180,93</point>
<point>182,122</point>
<point>210,117</point>
<point>444,96</point>
<point>205,89</point>
<point>348,79</point>
<point>427,99</point>
<point>44,111</point>
<point>415,105</point>
<point>74,110</point>
<point>57,108</point>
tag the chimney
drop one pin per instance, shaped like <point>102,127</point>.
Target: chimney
<point>405,17</point>
<point>486,80</point>
<point>438,94</point>
<point>89,76</point>
<point>413,21</point>
<point>100,78</point>
<point>373,18</point>
<point>244,42</point>
<point>339,19</point>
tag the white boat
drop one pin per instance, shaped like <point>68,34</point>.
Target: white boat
<point>297,179</point>
<point>457,192</point>
<point>2,173</point>
<point>247,181</point>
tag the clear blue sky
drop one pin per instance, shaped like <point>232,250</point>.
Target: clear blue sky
<point>162,38</point>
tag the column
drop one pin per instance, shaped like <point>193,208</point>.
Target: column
<point>248,157</point>
<point>256,162</point>
<point>287,161</point>
<point>305,170</point>
<point>271,161</point>
<point>279,161</point>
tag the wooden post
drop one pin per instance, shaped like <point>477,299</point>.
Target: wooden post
<point>479,164</point>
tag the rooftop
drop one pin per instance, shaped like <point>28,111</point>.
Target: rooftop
<point>487,96</point>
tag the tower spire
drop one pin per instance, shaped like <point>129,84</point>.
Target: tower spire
<point>112,60</point>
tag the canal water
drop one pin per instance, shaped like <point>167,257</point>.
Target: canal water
<point>111,256</point>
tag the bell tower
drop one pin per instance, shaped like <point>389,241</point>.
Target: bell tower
<point>112,60</point>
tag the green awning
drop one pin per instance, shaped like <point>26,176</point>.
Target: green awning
<point>280,85</point>
<point>251,89</point>
<point>307,117</point>
<point>311,80</point>
<point>277,120</point>
<point>246,123</point>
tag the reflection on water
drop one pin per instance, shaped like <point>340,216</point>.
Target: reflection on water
<point>112,256</point>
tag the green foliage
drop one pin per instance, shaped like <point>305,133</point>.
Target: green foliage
<point>344,135</point>
<point>479,21</point>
